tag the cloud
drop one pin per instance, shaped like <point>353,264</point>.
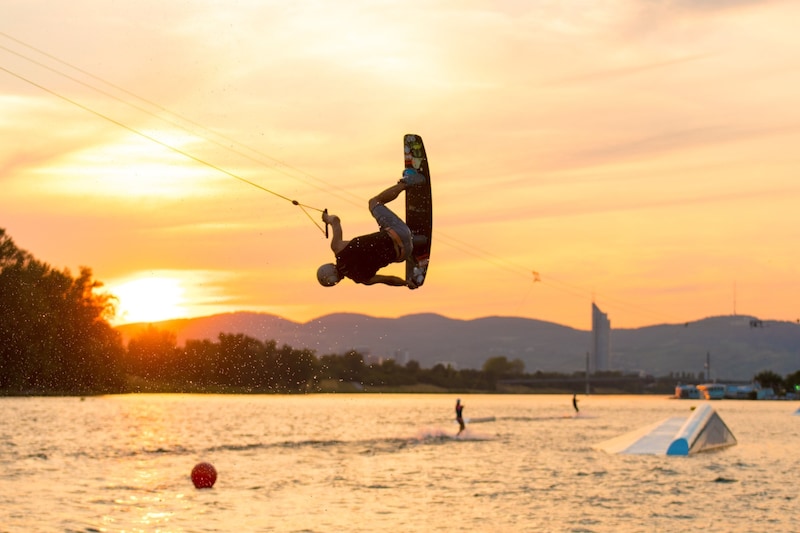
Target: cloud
<point>629,70</point>
<point>703,5</point>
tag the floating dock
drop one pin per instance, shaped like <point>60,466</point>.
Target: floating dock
<point>703,431</point>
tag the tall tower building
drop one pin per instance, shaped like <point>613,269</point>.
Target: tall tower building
<point>601,341</point>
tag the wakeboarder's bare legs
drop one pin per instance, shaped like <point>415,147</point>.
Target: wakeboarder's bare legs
<point>387,196</point>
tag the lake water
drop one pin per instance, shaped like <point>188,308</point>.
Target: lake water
<point>385,462</point>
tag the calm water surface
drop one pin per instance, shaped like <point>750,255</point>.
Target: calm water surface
<point>331,463</point>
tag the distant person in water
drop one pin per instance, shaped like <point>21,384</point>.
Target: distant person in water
<point>575,403</point>
<point>460,416</point>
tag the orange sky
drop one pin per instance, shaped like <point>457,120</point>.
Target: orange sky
<point>640,154</point>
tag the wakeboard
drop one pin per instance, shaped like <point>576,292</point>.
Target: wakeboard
<point>419,211</point>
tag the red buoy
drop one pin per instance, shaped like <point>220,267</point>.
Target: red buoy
<point>204,475</point>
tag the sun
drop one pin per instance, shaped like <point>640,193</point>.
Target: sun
<point>149,299</point>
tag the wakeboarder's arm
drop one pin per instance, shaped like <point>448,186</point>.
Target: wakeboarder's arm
<point>337,243</point>
<point>386,280</point>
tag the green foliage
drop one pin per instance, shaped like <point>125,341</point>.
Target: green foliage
<point>792,382</point>
<point>769,379</point>
<point>54,334</point>
<point>500,366</point>
<point>150,352</point>
<point>389,373</point>
<point>234,362</point>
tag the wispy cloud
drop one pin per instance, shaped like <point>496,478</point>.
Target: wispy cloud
<point>624,71</point>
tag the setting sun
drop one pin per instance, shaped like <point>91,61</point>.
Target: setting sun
<point>149,300</point>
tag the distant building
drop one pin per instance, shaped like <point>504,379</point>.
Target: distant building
<point>402,357</point>
<point>600,355</point>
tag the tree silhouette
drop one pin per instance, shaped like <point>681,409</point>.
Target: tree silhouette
<point>54,333</point>
<point>152,354</point>
<point>769,379</point>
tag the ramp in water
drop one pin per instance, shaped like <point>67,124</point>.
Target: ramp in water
<point>704,430</point>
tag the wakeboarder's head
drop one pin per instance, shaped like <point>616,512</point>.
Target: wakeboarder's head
<point>328,275</point>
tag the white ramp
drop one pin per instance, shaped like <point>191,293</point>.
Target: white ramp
<point>702,431</point>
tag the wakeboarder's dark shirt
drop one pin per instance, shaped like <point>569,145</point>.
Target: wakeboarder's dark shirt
<point>361,259</point>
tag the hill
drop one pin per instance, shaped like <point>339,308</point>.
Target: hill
<point>738,351</point>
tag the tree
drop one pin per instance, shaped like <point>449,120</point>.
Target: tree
<point>413,367</point>
<point>792,382</point>
<point>769,379</point>
<point>239,361</point>
<point>289,370</point>
<point>347,367</point>
<point>197,360</point>
<point>152,354</point>
<point>54,334</point>
<point>500,366</point>
<point>388,372</point>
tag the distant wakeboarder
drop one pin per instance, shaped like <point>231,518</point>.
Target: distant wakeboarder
<point>460,416</point>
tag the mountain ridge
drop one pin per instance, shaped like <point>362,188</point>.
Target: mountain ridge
<point>737,350</point>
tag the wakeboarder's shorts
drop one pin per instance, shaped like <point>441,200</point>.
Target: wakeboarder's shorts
<point>388,220</point>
